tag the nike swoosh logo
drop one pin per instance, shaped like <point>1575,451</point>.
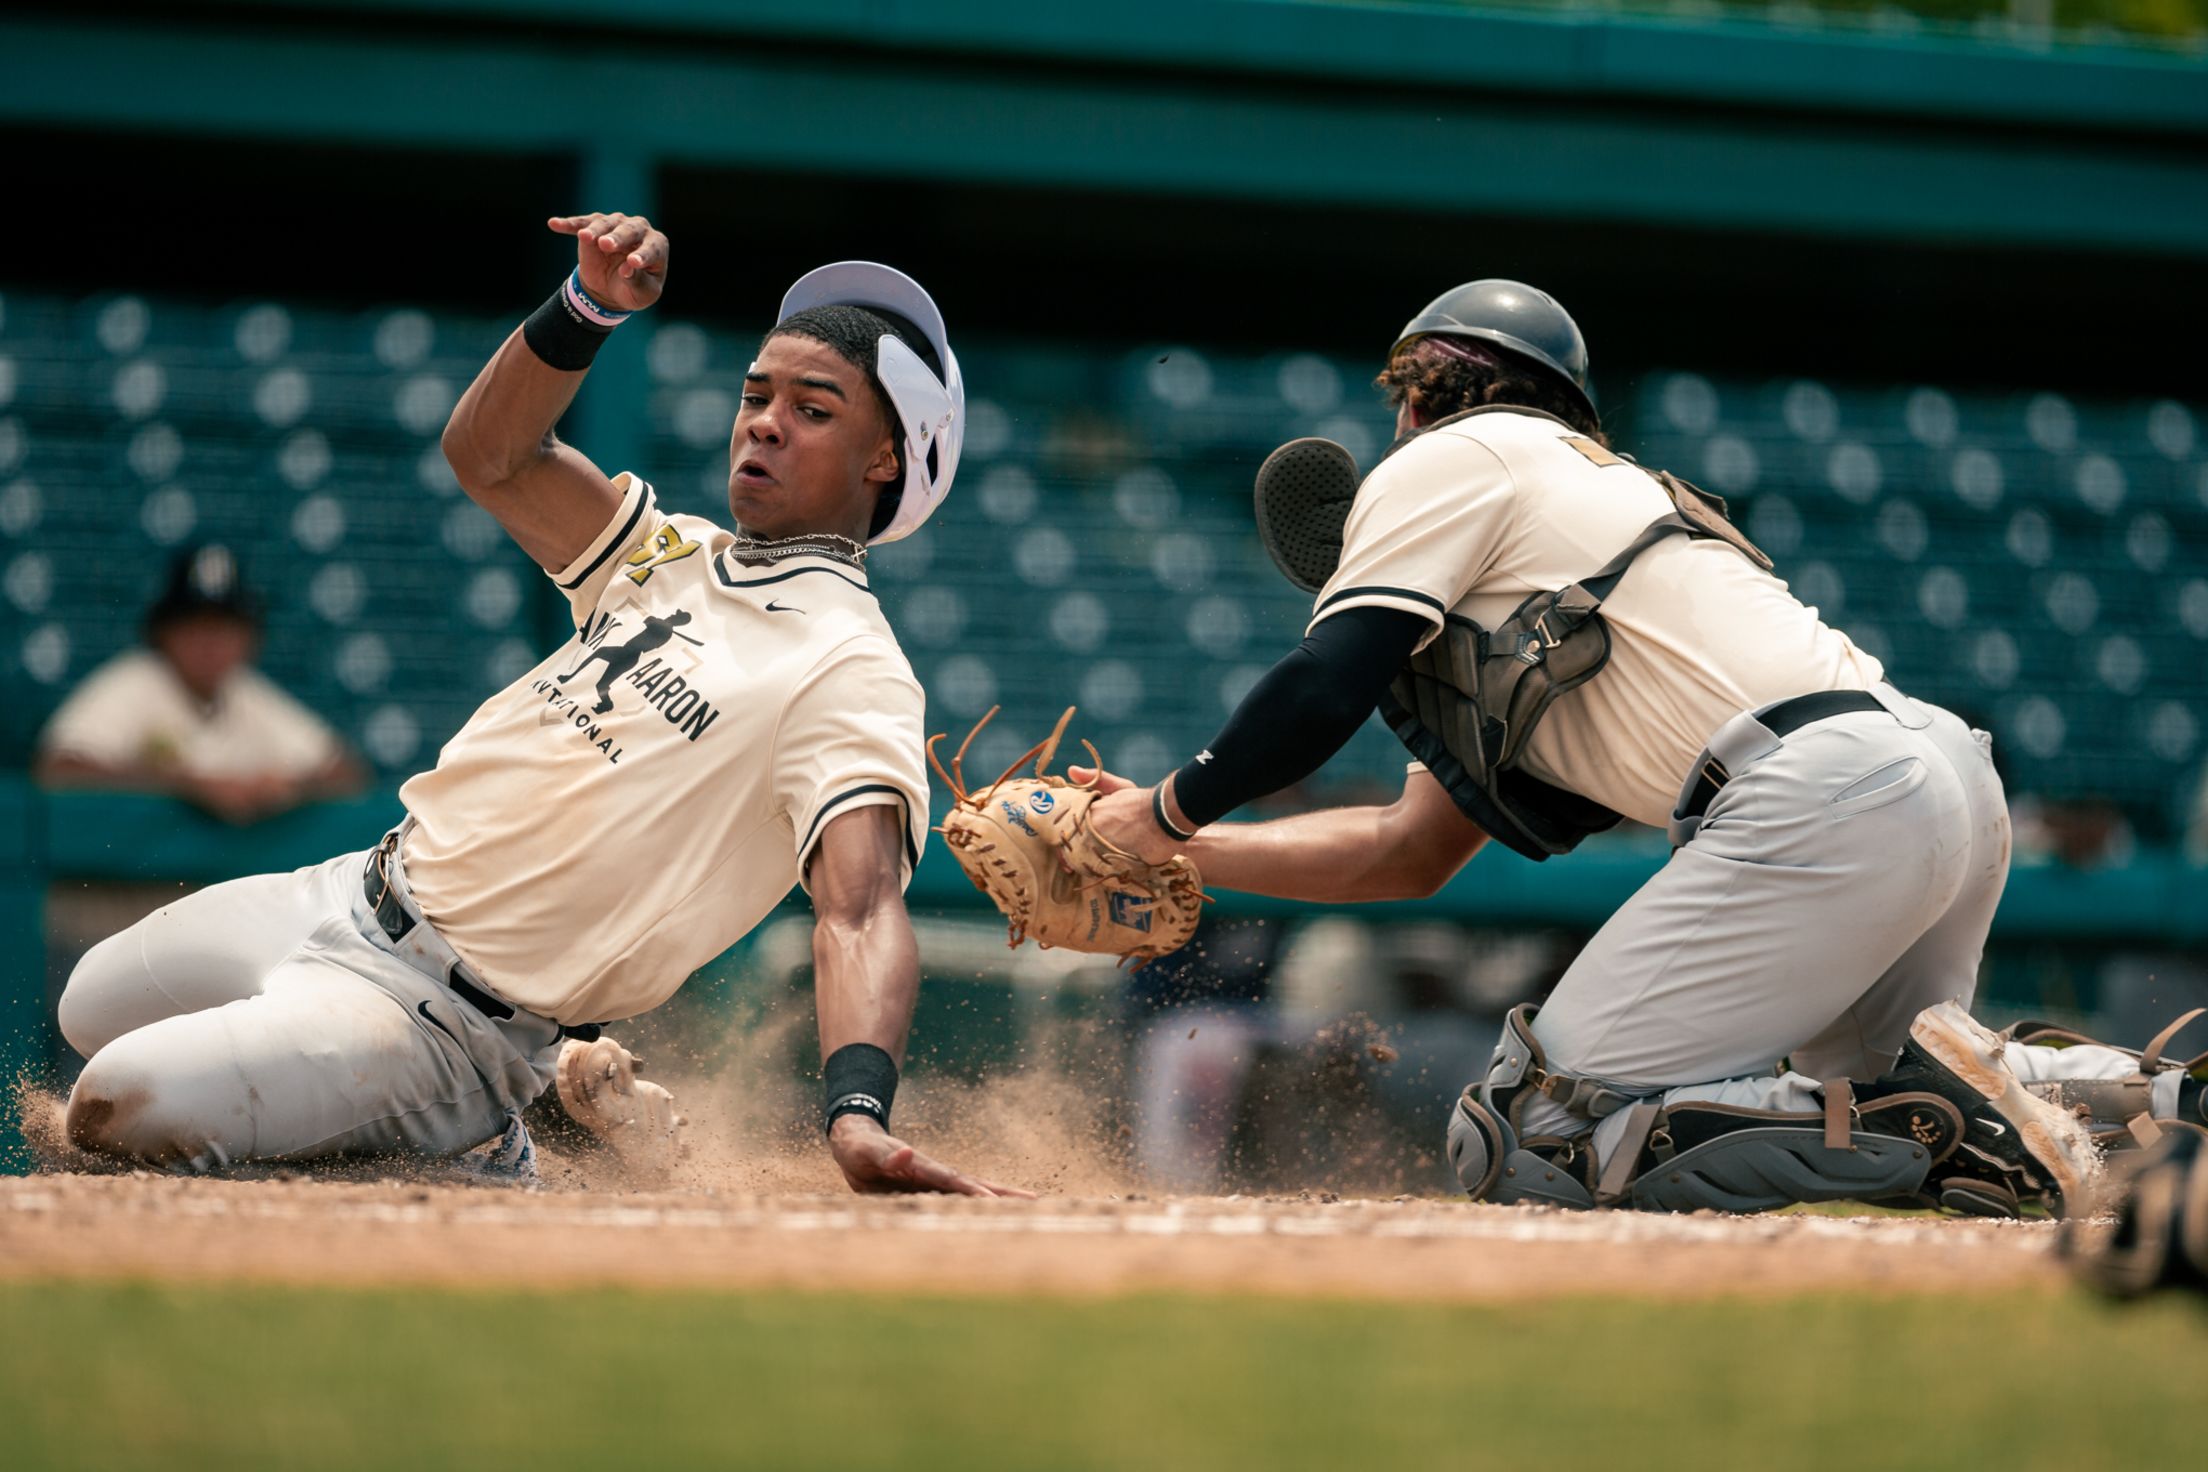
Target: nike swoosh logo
<point>431,1018</point>
<point>774,607</point>
<point>1994,1127</point>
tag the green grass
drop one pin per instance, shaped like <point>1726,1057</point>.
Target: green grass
<point>122,1375</point>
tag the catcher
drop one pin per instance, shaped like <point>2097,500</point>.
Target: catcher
<point>588,839</point>
<point>1561,637</point>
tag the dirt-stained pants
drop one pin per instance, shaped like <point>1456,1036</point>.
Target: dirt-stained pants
<point>270,1018</point>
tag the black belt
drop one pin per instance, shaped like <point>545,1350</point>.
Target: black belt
<point>383,898</point>
<point>1781,720</point>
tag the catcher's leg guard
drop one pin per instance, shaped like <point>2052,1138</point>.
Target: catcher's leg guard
<point>1493,1158</point>
<point>1694,1156</point>
<point>2127,1109</point>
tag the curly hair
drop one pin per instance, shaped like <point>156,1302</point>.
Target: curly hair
<point>1441,377</point>
<point>855,335</point>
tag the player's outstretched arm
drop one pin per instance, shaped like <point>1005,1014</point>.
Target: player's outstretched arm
<point>1404,851</point>
<point>551,499</point>
<point>866,977</point>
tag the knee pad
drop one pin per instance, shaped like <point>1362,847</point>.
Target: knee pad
<point>1519,1066</point>
<point>1478,1143</point>
<point>1492,1165</point>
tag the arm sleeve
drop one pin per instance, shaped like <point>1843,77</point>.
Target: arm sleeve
<point>852,738</point>
<point>1426,526</point>
<point>636,523</point>
<point>1301,711</point>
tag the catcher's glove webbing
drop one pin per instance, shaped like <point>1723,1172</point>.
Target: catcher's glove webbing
<point>1028,845</point>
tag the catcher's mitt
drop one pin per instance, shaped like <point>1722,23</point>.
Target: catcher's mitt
<point>1027,844</point>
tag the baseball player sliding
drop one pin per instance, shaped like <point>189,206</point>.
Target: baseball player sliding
<point>1561,638</point>
<point>732,716</point>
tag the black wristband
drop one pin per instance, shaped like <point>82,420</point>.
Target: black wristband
<point>1163,820</point>
<point>566,333</point>
<point>859,1078</point>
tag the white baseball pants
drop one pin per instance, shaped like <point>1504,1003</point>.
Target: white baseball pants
<point>271,1019</point>
<point>1840,883</point>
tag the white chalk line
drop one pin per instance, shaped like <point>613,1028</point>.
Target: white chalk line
<point>1353,1219</point>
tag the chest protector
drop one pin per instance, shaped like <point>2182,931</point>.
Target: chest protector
<point>1467,704</point>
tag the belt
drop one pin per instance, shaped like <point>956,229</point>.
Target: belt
<point>1781,720</point>
<point>397,921</point>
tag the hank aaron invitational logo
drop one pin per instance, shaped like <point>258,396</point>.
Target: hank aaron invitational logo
<point>680,703</point>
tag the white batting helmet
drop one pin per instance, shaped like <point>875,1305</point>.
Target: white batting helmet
<point>930,410</point>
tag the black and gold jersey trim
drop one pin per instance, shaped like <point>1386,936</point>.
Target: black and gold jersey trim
<point>912,851</point>
<point>614,544</point>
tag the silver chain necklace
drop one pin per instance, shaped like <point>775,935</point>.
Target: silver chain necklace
<point>806,544</point>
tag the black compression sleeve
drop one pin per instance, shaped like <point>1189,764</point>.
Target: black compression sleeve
<point>1301,712</point>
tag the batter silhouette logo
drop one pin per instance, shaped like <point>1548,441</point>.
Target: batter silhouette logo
<point>622,658</point>
<point>633,661</point>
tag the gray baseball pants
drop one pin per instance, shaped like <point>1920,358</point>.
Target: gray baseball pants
<point>271,1018</point>
<point>1841,881</point>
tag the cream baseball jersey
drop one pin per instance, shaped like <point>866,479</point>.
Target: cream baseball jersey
<point>635,804</point>
<point>1474,516</point>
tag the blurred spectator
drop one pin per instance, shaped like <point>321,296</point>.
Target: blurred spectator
<point>190,716</point>
<point>2078,833</point>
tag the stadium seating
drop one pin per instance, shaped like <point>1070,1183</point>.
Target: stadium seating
<point>2032,561</point>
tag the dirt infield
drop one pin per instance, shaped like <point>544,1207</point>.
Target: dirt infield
<point>318,1231</point>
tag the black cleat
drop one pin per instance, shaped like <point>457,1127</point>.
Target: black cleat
<point>2014,1143</point>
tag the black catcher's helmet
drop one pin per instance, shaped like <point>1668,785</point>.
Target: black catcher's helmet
<point>1519,319</point>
